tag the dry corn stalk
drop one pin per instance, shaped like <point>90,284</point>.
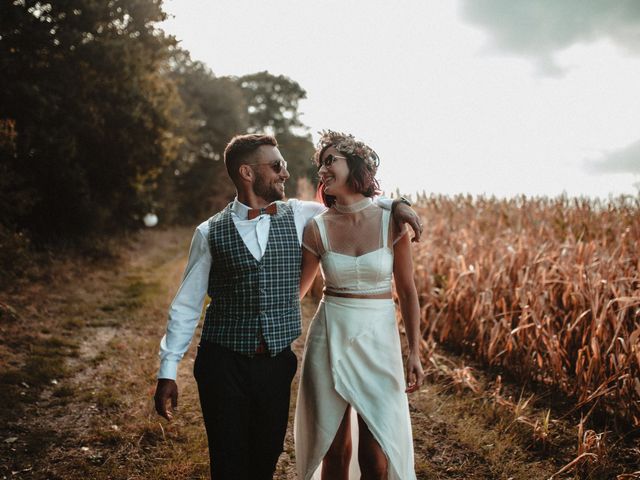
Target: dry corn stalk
<point>546,288</point>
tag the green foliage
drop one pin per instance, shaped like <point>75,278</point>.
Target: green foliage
<point>298,151</point>
<point>104,119</point>
<point>215,109</point>
<point>195,184</point>
<point>272,104</point>
<point>82,81</point>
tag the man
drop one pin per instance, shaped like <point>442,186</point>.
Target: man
<point>247,258</point>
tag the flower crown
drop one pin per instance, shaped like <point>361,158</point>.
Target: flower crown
<point>347,144</point>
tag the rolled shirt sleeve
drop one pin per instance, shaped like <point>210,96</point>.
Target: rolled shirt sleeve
<point>384,202</point>
<point>303,211</point>
<point>186,308</point>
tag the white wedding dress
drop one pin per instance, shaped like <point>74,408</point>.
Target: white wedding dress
<point>352,352</point>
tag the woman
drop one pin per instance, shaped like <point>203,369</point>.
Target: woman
<point>352,354</point>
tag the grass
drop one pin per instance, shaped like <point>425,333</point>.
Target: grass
<point>43,362</point>
<point>482,440</point>
<point>110,382</point>
<point>521,432</point>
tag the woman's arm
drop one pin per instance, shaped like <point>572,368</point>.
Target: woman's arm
<point>310,264</point>
<point>311,250</point>
<point>410,309</point>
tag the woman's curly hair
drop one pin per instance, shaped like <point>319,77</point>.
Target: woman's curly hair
<point>362,161</point>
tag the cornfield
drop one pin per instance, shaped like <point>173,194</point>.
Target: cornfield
<point>548,289</point>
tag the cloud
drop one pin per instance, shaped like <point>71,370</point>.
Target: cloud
<point>622,160</point>
<point>539,28</point>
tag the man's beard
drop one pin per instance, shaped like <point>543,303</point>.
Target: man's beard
<point>267,191</point>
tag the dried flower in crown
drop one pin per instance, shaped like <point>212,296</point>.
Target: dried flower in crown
<point>347,144</point>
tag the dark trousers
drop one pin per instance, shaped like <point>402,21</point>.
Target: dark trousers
<point>245,405</point>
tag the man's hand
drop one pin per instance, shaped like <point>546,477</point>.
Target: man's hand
<point>166,390</point>
<point>402,214</point>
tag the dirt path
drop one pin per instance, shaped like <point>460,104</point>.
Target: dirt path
<point>78,358</point>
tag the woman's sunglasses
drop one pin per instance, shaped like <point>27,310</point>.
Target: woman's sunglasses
<point>328,160</point>
<point>276,166</point>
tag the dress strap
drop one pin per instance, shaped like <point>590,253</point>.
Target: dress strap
<point>386,215</point>
<point>323,232</point>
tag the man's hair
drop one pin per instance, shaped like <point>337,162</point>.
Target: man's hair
<point>241,148</point>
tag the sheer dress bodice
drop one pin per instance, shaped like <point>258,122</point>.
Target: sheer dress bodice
<point>355,246</point>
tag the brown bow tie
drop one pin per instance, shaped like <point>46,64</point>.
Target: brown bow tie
<point>270,209</point>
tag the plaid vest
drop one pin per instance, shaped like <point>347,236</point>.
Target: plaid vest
<point>249,297</point>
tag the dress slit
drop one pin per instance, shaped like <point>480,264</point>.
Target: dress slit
<point>352,357</point>
<point>354,431</point>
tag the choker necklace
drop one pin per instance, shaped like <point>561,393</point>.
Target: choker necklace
<point>353,207</point>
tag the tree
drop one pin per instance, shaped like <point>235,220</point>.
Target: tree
<point>109,119</point>
<point>272,102</point>
<point>84,83</point>
<point>196,183</point>
<point>298,151</point>
<point>272,105</point>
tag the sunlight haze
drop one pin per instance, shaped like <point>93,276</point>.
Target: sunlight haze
<point>456,97</point>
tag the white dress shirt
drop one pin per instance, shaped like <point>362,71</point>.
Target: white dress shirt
<point>186,308</point>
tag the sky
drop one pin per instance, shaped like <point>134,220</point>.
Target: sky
<point>492,97</point>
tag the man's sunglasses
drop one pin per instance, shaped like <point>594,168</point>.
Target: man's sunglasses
<point>328,160</point>
<point>276,166</point>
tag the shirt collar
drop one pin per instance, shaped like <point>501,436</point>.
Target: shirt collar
<point>240,209</point>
